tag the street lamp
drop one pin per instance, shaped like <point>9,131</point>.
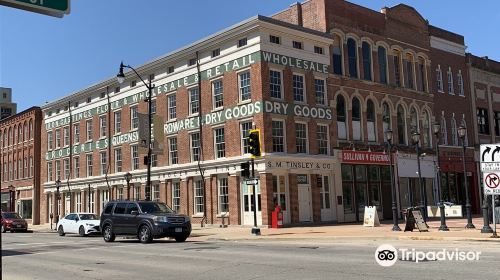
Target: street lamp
<point>415,137</point>
<point>11,198</point>
<point>437,129</point>
<point>462,131</point>
<point>121,78</point>
<point>128,177</point>
<point>395,227</point>
<point>58,185</point>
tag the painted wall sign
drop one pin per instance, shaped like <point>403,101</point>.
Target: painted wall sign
<point>297,110</point>
<point>362,157</point>
<point>294,62</point>
<point>308,165</point>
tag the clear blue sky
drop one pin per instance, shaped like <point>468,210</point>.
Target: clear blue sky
<point>43,58</point>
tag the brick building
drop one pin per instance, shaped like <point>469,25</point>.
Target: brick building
<point>20,163</point>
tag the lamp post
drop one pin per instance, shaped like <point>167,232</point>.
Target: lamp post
<point>58,185</point>
<point>437,129</point>
<point>11,198</point>
<point>415,137</point>
<point>121,78</point>
<point>395,227</point>
<point>462,131</point>
<point>128,177</point>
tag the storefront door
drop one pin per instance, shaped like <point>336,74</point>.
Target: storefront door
<point>304,193</point>
<point>249,200</point>
<point>280,196</point>
<point>323,182</point>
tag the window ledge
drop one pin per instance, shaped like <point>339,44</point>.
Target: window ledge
<point>197,216</point>
<point>244,102</point>
<point>223,215</point>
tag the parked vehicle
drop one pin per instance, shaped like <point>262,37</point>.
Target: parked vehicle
<point>143,219</point>
<point>79,223</point>
<point>13,222</point>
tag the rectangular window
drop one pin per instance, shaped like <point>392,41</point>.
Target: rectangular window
<point>155,194</point>
<point>170,70</point>
<point>50,141</point>
<point>195,146</point>
<point>223,191</point>
<point>397,73</point>
<point>220,145</point>
<point>137,192</point>
<point>439,79</point>
<point>176,196</point>
<point>319,89</point>
<point>104,160</point>
<point>78,201</point>
<point>172,107</point>
<point>278,137</point>
<point>58,138</point>
<point>135,157</point>
<point>242,42</point>
<point>245,128</point>
<point>76,167</point>
<point>76,133</point>
<point>215,53</point>
<point>133,83</point>
<point>318,50</point>
<point>244,85</point>
<point>274,39</point>
<point>103,124</point>
<point>450,82</point>
<point>298,88</point>
<point>49,172</point>
<point>297,45</point>
<point>153,106</point>
<point>322,135</point>
<point>409,74</point>
<point>154,160</point>
<point>118,122</point>
<point>89,129</point>
<point>117,89</point>
<point>120,194</point>
<point>134,118</point>
<point>218,94</point>
<point>89,165</point>
<point>66,168</point>
<point>275,84</point>
<point>118,160</point>
<point>198,198</point>
<point>26,174</point>
<point>31,167</point>
<point>482,121</point>
<point>192,62</point>
<point>194,101</point>
<point>91,201</point>
<point>301,137</point>
<point>460,83</point>
<point>66,136</point>
<point>323,184</point>
<point>172,143</point>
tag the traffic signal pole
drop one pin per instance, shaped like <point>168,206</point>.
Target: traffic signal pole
<point>255,229</point>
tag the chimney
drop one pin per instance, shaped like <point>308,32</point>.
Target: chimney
<point>298,6</point>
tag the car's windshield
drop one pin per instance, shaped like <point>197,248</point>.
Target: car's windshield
<point>88,217</point>
<point>11,216</point>
<point>154,207</point>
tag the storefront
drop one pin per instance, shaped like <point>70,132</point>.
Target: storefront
<point>410,192</point>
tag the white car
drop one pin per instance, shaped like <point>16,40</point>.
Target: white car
<point>80,223</point>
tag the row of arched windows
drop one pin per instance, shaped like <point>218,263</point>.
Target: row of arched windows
<point>16,134</point>
<point>408,68</point>
<point>453,140</point>
<point>18,169</point>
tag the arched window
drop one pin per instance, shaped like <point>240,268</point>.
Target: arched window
<point>353,58</point>
<point>409,71</point>
<point>422,85</point>
<point>386,118</point>
<point>337,55</point>
<point>382,64</point>
<point>464,124</point>
<point>439,78</point>
<point>450,81</point>
<point>356,119</point>
<point>26,134</point>
<point>426,132</point>
<point>31,130</point>
<point>414,127</point>
<point>19,134</point>
<point>370,120</point>
<point>397,68</point>
<point>367,61</point>
<point>12,133</point>
<point>341,117</point>
<point>454,131</point>
<point>444,131</point>
<point>401,118</point>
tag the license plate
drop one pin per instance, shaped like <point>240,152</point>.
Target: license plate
<point>18,225</point>
<point>178,229</point>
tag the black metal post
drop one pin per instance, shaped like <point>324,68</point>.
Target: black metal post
<point>150,123</point>
<point>255,229</point>
<point>442,214</point>
<point>467,200</point>
<point>88,199</point>
<point>486,219</point>
<point>56,218</point>
<point>395,226</point>
<point>423,199</point>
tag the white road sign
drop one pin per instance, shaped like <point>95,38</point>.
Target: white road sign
<point>251,182</point>
<point>490,157</point>
<point>491,183</point>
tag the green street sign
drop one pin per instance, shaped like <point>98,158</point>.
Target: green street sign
<point>55,8</point>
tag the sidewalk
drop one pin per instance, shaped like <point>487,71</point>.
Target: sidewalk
<point>339,231</point>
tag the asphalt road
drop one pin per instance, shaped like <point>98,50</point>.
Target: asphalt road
<point>48,256</point>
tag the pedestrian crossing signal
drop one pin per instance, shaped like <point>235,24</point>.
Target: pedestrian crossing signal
<point>245,169</point>
<point>254,143</point>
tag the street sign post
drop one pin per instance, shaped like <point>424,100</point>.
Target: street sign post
<point>252,182</point>
<point>489,155</point>
<point>491,183</point>
<point>55,8</point>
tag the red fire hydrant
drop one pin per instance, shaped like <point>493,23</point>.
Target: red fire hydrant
<point>277,218</point>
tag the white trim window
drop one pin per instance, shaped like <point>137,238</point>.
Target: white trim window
<point>444,131</point>
<point>194,100</point>
<point>218,93</point>
<point>172,107</point>
<point>135,157</point>
<point>245,130</point>
<point>320,93</point>
<point>439,79</point>
<point>195,146</point>
<point>76,167</point>
<point>137,192</point>
<point>50,141</point>
<point>58,138</point>
<point>155,193</point>
<point>223,195</point>
<point>78,202</point>
<point>244,85</point>
<point>322,136</point>
<point>199,207</point>
<point>450,81</point>
<point>88,124</point>
<point>176,196</point>
<point>49,171</point>
<point>31,167</point>
<point>153,106</point>
<point>76,133</point>
<point>104,198</point>
<point>103,126</point>
<point>118,122</point>
<point>173,155</point>
<point>460,82</point>
<point>301,137</point>
<point>66,168</point>
<point>324,185</point>
<point>66,136</point>
<point>275,84</point>
<point>298,88</point>
<point>454,132</point>
<point>278,135</point>
<point>134,118</point>
<point>89,165</point>
<point>91,201</point>
<point>120,193</point>
<point>104,162</point>
<point>220,145</point>
<point>118,160</point>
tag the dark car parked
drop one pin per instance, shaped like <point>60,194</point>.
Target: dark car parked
<point>144,219</point>
<point>13,222</point>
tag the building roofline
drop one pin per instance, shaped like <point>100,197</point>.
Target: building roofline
<point>20,113</point>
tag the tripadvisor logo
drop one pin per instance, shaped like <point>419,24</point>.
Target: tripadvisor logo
<point>386,255</point>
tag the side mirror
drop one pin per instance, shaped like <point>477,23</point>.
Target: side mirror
<point>135,213</point>
<point>77,219</point>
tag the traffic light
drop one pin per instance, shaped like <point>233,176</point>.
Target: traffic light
<point>254,142</point>
<point>245,169</point>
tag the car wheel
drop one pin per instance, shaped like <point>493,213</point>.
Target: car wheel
<point>145,235</point>
<point>81,231</point>
<point>180,238</point>
<point>108,234</point>
<point>60,230</point>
